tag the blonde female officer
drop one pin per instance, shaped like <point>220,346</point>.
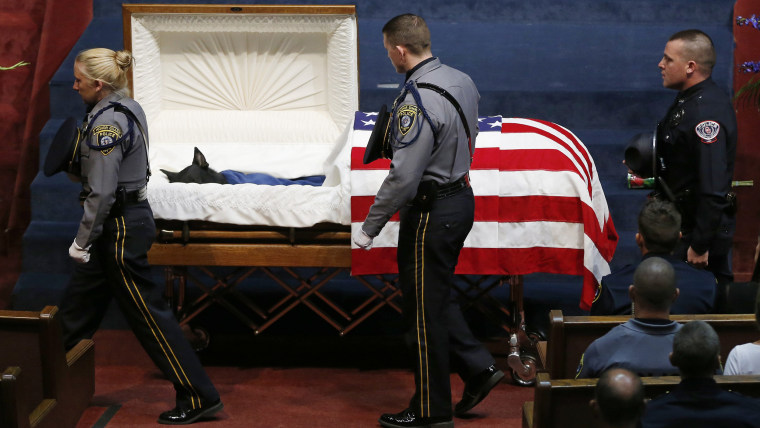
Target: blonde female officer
<point>116,232</point>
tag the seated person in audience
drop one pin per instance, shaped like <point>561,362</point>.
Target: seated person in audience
<point>745,359</point>
<point>641,344</point>
<point>658,235</point>
<point>618,399</point>
<point>697,401</point>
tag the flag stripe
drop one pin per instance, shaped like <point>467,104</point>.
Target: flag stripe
<point>539,206</point>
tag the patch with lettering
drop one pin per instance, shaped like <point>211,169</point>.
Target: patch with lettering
<point>406,117</point>
<point>105,137</point>
<point>708,131</point>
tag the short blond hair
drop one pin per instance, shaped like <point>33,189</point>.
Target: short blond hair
<point>110,67</point>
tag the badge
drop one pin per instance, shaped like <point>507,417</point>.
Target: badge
<point>708,131</point>
<point>407,115</point>
<point>675,118</point>
<point>105,137</point>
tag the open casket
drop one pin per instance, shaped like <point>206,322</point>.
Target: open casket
<point>264,89</point>
<point>257,89</point>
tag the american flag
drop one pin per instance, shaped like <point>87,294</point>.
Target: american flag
<point>539,205</point>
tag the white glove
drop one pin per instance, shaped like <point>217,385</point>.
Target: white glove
<point>79,254</point>
<point>362,239</point>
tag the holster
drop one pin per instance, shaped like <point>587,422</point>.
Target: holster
<point>427,193</point>
<point>732,206</point>
<point>119,202</point>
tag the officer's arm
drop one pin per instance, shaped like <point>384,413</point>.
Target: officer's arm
<point>407,167</point>
<point>714,182</point>
<point>584,370</point>
<point>103,179</point>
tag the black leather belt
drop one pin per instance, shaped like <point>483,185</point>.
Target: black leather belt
<point>450,189</point>
<point>138,195</point>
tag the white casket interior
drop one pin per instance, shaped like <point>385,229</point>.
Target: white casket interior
<point>265,89</point>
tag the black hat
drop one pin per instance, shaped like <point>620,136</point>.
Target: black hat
<point>640,155</point>
<point>378,146</point>
<point>63,152</point>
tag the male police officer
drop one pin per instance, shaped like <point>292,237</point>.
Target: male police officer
<point>696,141</point>
<point>432,130</point>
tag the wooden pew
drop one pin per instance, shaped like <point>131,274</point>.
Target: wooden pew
<point>564,403</point>
<point>42,385</point>
<point>570,336</point>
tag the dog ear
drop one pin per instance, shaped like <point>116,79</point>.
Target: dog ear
<point>199,159</point>
<point>171,175</point>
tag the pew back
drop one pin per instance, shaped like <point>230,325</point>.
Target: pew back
<point>565,402</point>
<point>42,384</point>
<point>21,339</point>
<point>570,336</point>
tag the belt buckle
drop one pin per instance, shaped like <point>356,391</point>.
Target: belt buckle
<point>141,194</point>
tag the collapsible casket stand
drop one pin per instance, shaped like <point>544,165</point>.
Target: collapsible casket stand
<point>181,245</point>
<point>301,260</point>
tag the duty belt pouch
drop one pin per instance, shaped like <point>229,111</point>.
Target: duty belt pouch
<point>732,206</point>
<point>119,202</point>
<point>686,203</point>
<point>427,192</point>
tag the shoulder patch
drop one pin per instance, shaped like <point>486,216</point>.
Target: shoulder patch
<point>598,292</point>
<point>106,136</point>
<point>406,117</point>
<point>708,131</point>
<point>580,366</point>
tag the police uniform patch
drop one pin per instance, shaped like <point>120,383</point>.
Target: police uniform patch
<point>105,136</point>
<point>708,131</point>
<point>598,293</point>
<point>406,117</point>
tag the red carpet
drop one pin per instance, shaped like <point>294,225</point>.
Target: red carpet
<point>131,392</point>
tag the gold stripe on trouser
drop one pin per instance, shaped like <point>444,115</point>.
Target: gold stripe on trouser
<point>419,288</point>
<point>148,317</point>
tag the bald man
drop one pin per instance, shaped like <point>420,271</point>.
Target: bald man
<point>642,343</point>
<point>698,401</point>
<point>618,399</point>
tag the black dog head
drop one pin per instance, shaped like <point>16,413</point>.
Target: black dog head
<point>197,172</point>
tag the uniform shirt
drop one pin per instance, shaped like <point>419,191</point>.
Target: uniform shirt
<point>104,170</point>
<point>743,360</point>
<point>697,289</point>
<point>697,141</point>
<point>641,346</point>
<point>417,154</point>
<point>701,403</point>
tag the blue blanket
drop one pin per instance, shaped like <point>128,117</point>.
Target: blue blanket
<point>236,177</point>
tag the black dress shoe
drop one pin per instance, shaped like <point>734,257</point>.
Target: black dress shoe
<point>477,387</point>
<point>178,416</point>
<point>407,418</point>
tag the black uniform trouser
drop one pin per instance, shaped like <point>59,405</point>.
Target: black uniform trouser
<point>428,250</point>
<point>718,259</point>
<point>118,268</point>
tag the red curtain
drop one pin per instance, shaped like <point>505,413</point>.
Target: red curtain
<point>63,23</point>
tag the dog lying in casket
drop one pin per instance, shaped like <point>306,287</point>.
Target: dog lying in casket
<point>200,172</point>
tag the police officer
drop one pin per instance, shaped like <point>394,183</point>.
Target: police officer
<point>696,141</point>
<point>433,128</point>
<point>659,233</point>
<point>116,232</point>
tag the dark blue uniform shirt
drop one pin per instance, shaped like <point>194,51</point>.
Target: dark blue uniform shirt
<point>697,289</point>
<point>697,143</point>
